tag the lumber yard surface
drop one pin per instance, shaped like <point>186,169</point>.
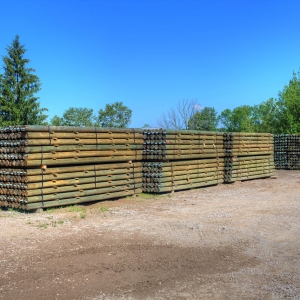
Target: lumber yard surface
<point>230,241</point>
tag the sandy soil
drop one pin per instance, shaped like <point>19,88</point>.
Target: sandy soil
<point>234,241</point>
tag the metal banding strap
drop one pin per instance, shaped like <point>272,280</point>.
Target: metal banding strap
<point>172,177</point>
<point>96,131</point>
<point>217,155</point>
<point>95,180</point>
<point>50,138</point>
<point>198,168</point>
<point>42,155</point>
<point>42,194</point>
<point>134,144</point>
<point>134,188</point>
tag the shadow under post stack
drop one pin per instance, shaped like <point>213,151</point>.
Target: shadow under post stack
<point>248,156</point>
<point>287,151</point>
<point>185,159</point>
<point>51,166</point>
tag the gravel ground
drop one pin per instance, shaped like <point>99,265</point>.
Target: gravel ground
<point>232,241</point>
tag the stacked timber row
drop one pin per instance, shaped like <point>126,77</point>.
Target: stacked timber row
<point>33,146</point>
<point>51,166</point>
<point>287,151</point>
<point>182,145</point>
<point>248,156</point>
<point>35,188</point>
<point>185,159</point>
<point>240,168</point>
<point>159,177</point>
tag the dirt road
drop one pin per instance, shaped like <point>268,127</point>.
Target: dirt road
<point>234,241</point>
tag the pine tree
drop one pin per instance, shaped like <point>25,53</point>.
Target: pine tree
<point>18,85</point>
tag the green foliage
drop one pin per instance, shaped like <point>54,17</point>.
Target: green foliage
<point>115,115</point>
<point>82,117</point>
<point>206,120</point>
<point>240,119</point>
<point>18,86</point>
<point>267,116</point>
<point>76,208</point>
<point>289,106</point>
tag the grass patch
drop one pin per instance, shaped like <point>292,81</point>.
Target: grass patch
<point>100,209</point>
<point>51,210</point>
<point>83,215</point>
<point>76,208</point>
<point>42,226</point>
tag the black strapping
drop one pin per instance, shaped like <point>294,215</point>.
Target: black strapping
<point>134,144</point>
<point>42,194</point>
<point>95,181</point>
<point>172,176</point>
<point>217,152</point>
<point>96,131</point>
<point>42,155</point>
<point>134,187</point>
<point>50,138</point>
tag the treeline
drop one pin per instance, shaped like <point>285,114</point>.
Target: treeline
<point>280,115</point>
<point>19,106</point>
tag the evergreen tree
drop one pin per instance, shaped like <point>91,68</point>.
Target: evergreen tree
<point>18,85</point>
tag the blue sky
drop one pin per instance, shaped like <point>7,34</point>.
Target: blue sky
<point>150,54</point>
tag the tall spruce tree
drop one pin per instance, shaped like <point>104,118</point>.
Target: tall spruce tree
<point>18,85</point>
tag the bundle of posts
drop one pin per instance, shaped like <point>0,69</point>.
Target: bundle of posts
<point>248,144</point>
<point>176,175</point>
<point>182,144</point>
<point>65,185</point>
<point>45,166</point>
<point>32,146</point>
<point>248,156</point>
<point>287,151</point>
<point>240,168</point>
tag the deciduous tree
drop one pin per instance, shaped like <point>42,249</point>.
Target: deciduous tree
<point>240,119</point>
<point>115,115</point>
<point>82,117</point>
<point>178,116</point>
<point>205,119</point>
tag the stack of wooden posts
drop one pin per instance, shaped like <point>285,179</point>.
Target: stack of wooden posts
<point>182,144</point>
<point>42,166</point>
<point>37,188</point>
<point>248,156</point>
<point>240,168</point>
<point>177,160</point>
<point>281,151</point>
<point>32,146</point>
<point>159,177</point>
<point>287,151</point>
<point>48,166</point>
